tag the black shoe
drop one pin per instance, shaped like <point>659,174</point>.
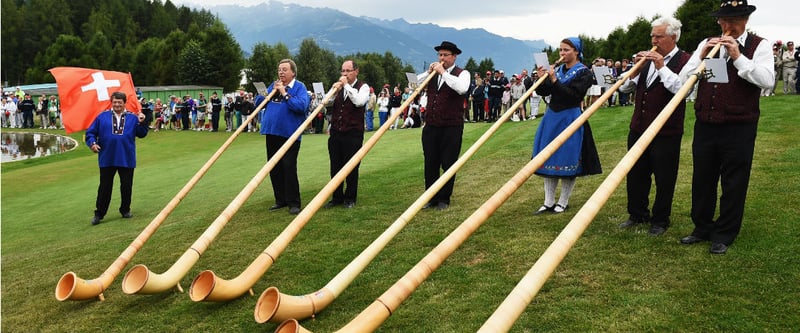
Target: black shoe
<point>96,220</point>
<point>442,206</point>
<point>630,223</point>
<point>692,239</point>
<point>294,210</point>
<point>558,208</point>
<point>349,204</point>
<point>718,248</point>
<point>127,215</point>
<point>428,205</point>
<point>544,209</point>
<point>332,204</point>
<point>656,230</point>
<point>276,207</point>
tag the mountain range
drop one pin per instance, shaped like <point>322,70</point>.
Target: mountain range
<point>273,22</point>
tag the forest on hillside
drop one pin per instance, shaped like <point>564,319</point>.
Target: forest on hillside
<point>160,43</point>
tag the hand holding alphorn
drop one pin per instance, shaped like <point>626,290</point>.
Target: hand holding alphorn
<point>515,303</point>
<point>72,287</point>
<point>209,287</point>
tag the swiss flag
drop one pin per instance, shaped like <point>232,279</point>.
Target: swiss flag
<point>85,92</point>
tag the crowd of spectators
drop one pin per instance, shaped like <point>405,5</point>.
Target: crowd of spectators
<point>488,98</point>
<point>21,110</point>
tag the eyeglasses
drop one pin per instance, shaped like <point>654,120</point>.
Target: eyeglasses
<point>445,54</point>
<point>348,70</point>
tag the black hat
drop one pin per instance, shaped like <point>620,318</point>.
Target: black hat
<point>448,46</point>
<point>732,8</point>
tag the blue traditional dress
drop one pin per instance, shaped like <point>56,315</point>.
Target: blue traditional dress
<point>564,107</point>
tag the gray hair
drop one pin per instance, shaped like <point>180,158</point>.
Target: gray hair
<point>673,26</point>
<point>291,63</point>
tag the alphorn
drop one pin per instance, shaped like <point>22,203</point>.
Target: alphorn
<point>274,306</point>
<point>140,280</point>
<point>71,287</point>
<point>527,288</point>
<point>376,313</point>
<point>209,287</point>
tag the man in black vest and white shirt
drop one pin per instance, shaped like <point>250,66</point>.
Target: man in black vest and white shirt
<point>655,85</point>
<point>444,119</point>
<point>725,129</point>
<point>347,131</point>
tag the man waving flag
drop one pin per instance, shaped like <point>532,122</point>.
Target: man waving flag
<point>86,92</point>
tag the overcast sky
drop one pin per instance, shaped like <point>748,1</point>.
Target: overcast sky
<point>542,19</point>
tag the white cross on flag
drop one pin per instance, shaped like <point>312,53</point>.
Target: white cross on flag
<point>85,92</point>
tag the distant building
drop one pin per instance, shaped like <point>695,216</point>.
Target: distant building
<point>33,89</point>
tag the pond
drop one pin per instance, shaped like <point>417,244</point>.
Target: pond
<point>18,146</point>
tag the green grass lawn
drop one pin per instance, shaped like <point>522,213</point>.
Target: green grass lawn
<point>612,280</point>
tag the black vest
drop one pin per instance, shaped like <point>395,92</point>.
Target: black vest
<point>651,100</point>
<point>732,102</point>
<point>445,106</point>
<point>345,116</point>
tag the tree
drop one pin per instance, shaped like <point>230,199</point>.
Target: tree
<point>121,58</point>
<point>471,66</point>
<point>110,32</point>
<point>124,29</point>
<point>224,54</point>
<point>99,48</point>
<point>695,14</point>
<point>637,38</point>
<point>145,62</point>
<point>48,20</point>
<point>315,64</point>
<point>394,69</point>
<point>165,68</point>
<point>67,50</point>
<point>99,22</point>
<point>612,48</point>
<point>263,63</point>
<point>193,64</point>
<point>161,23</point>
<point>486,65</point>
<point>370,69</point>
<point>183,18</point>
<point>79,13</point>
<point>370,72</point>
<point>13,65</point>
<point>592,48</point>
<point>280,51</point>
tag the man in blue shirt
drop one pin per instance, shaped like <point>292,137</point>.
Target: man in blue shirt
<point>112,136</point>
<point>285,112</point>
